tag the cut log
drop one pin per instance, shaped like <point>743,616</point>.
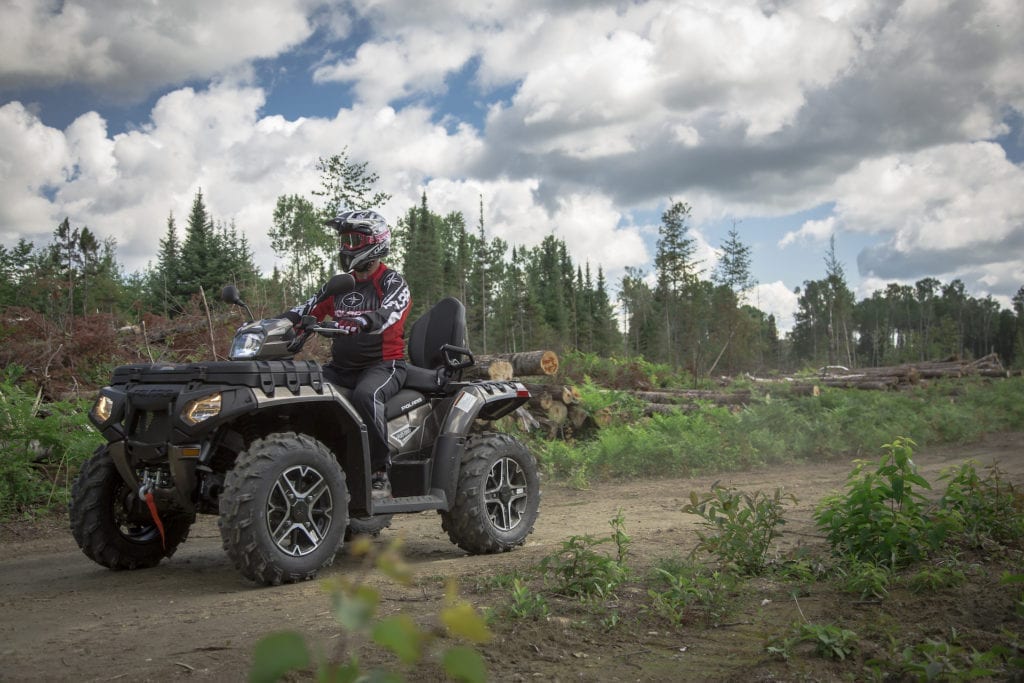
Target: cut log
<point>556,392</point>
<point>526,363</point>
<point>558,413</point>
<point>527,422</point>
<point>489,368</point>
<point>721,398</point>
<point>666,409</point>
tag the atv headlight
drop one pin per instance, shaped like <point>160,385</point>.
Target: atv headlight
<point>201,409</point>
<point>102,409</point>
<point>246,345</point>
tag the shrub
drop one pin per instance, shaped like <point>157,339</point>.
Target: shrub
<point>881,519</point>
<point>688,590</point>
<point>988,508</point>
<point>743,525</point>
<point>34,437</point>
<point>580,571</point>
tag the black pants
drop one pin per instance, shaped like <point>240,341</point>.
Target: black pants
<point>371,388</point>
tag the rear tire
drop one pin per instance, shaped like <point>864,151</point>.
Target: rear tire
<point>498,495</point>
<point>112,526</point>
<point>284,509</point>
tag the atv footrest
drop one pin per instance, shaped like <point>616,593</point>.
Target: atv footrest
<point>410,504</point>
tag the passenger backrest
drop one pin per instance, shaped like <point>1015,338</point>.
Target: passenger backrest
<point>444,323</point>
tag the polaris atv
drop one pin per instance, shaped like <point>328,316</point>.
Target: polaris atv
<point>281,455</point>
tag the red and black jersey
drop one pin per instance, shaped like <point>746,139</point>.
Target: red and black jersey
<point>384,300</point>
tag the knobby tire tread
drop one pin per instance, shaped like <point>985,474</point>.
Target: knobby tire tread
<point>466,522</point>
<point>240,511</point>
<point>91,517</point>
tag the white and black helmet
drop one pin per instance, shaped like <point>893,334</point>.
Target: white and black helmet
<point>362,237</point>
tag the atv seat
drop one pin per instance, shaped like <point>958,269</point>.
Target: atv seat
<point>437,347</point>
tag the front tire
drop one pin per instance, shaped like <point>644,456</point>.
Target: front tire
<point>112,526</point>
<point>498,495</point>
<point>284,509</point>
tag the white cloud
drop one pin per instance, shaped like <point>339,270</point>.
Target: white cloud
<point>417,63</point>
<point>810,231</point>
<point>947,197</point>
<point>126,48</point>
<point>775,298</point>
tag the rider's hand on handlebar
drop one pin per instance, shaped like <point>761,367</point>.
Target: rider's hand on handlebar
<point>352,325</point>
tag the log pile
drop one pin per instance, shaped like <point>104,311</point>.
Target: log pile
<point>909,374</point>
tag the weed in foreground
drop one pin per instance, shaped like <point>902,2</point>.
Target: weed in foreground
<point>829,641</point>
<point>881,518</point>
<point>689,591</point>
<point>580,571</point>
<point>988,508</point>
<point>354,606</point>
<point>743,525</point>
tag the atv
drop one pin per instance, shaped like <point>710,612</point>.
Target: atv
<point>281,455</point>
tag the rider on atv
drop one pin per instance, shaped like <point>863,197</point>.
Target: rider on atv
<point>368,358</point>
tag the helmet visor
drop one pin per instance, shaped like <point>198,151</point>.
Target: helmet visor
<point>354,241</point>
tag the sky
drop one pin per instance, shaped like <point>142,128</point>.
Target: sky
<point>895,129</point>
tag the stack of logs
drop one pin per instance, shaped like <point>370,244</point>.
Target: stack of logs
<point>909,374</point>
<point>552,407</point>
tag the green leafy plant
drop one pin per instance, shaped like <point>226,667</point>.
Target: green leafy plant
<point>42,446</point>
<point>1010,579</point>
<point>866,579</point>
<point>882,517</point>
<point>939,660</point>
<point>525,604</point>
<point>690,590</point>
<point>354,606</point>
<point>931,579</point>
<point>988,508</point>
<point>743,525</point>
<point>580,571</point>
<point>828,640</point>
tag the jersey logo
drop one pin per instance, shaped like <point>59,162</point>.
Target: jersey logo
<point>352,300</point>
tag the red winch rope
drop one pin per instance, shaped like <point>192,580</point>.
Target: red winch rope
<point>151,502</point>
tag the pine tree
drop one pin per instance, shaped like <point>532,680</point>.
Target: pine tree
<point>168,268</point>
<point>733,269</point>
<point>345,185</point>
<point>197,265</point>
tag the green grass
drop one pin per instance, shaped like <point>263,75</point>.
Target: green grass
<point>839,422</point>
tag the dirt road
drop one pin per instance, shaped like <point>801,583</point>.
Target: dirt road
<point>64,618</point>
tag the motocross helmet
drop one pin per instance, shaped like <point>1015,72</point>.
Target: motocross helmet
<point>362,237</point>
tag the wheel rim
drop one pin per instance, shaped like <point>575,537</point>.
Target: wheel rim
<point>300,510</point>
<point>505,494</point>
<point>127,523</point>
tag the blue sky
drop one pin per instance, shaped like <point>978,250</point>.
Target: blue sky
<point>894,128</point>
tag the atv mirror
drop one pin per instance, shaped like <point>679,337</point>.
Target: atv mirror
<point>339,284</point>
<point>229,295</point>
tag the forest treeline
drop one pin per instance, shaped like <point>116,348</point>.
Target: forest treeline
<point>678,311</point>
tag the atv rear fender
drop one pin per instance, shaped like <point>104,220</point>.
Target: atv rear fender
<point>477,400</point>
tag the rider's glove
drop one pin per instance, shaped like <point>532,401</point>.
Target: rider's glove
<point>353,325</point>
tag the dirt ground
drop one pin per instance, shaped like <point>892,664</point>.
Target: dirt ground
<point>64,618</point>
